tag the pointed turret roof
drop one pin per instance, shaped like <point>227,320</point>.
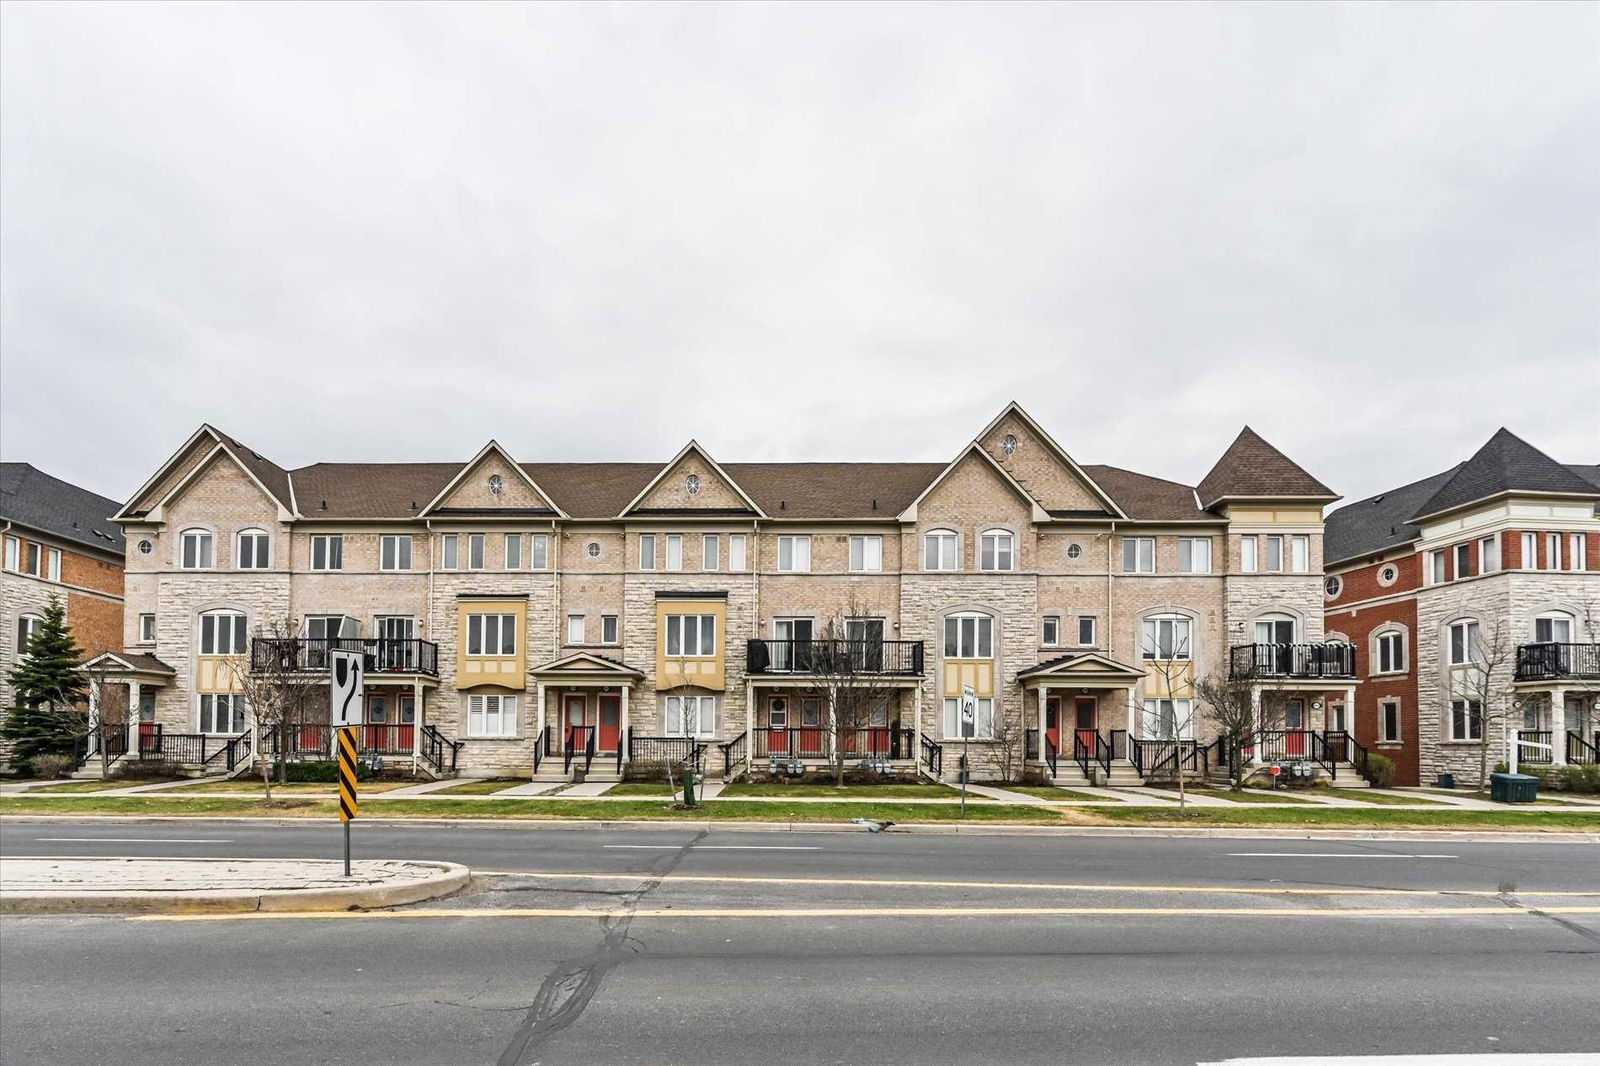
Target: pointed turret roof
<point>1252,468</point>
<point>1506,463</point>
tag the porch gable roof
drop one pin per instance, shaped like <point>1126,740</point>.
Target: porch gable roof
<point>1081,668</point>
<point>588,665</point>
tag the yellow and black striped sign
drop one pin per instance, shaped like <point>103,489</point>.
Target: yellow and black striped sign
<point>347,774</point>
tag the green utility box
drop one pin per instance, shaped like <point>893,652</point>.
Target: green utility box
<point>1513,788</point>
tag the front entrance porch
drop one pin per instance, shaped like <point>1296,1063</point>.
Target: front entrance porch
<point>1084,713</point>
<point>795,729</point>
<point>1559,725</point>
<point>583,717</point>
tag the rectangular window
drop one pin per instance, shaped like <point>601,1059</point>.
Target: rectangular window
<point>1488,555</point>
<point>1552,550</point>
<point>491,634</point>
<point>1086,634</point>
<point>327,552</point>
<point>866,553</point>
<point>1580,551</point>
<point>539,551</point>
<point>221,713</point>
<point>450,555</point>
<point>1391,653</point>
<point>691,716</point>
<point>513,551</point>
<point>608,629</point>
<point>1466,720</point>
<point>222,633</point>
<point>1168,719</point>
<point>940,550</point>
<point>395,551</point>
<point>969,636</point>
<point>1530,551</point>
<point>692,635</point>
<point>1194,555</point>
<point>647,551</point>
<point>794,554</point>
<point>1300,554</point>
<point>1249,563</point>
<point>197,550</point>
<point>674,551</point>
<point>995,550</point>
<point>1051,635</point>
<point>13,554</point>
<point>53,564</point>
<point>574,629</point>
<point>1463,561</point>
<point>491,717</point>
<point>32,555</point>
<point>1465,643</point>
<point>1435,567</point>
<point>147,629</point>
<point>475,552</point>
<point>1138,555</point>
<point>1389,722</point>
<point>736,546</point>
<point>710,552</point>
<point>1275,555</point>
<point>1167,638</point>
<point>981,727</point>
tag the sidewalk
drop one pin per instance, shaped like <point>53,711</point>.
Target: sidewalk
<point>78,886</point>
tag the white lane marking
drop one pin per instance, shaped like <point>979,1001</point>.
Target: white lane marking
<point>1472,1059</point>
<point>1330,855</point>
<point>719,847</point>
<point>131,840</point>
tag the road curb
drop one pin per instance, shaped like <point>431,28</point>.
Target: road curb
<point>447,879</point>
<point>1470,836</point>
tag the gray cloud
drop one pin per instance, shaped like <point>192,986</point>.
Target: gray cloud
<point>841,231</point>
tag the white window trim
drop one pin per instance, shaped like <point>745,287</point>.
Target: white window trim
<point>53,564</point>
<point>238,548</point>
<point>1184,654</point>
<point>1578,552</point>
<point>477,544</point>
<point>1435,567</point>
<point>710,552</point>
<point>29,622</point>
<point>1268,568</point>
<point>1094,630</point>
<point>674,552</point>
<point>1530,551</point>
<point>954,542</point>
<point>998,534</point>
<point>673,708</point>
<point>538,545</point>
<point>201,535</point>
<point>143,639</point>
<point>1299,554</point>
<point>398,539</point>
<point>1250,561</point>
<point>449,544</point>
<point>977,640</point>
<point>614,623</point>
<point>1468,644</point>
<point>983,723</point>
<point>504,616</point>
<point>513,545</point>
<point>666,627</point>
<point>866,541</point>
<point>1488,546</point>
<point>1399,725</point>
<point>1192,543</point>
<point>1450,726</point>
<point>1138,543</point>
<point>1553,551</point>
<point>326,541</point>
<point>222,612</point>
<point>237,712</point>
<point>795,542</point>
<point>505,717</point>
<point>652,559</point>
<point>1047,623</point>
<point>1376,652</point>
<point>738,552</point>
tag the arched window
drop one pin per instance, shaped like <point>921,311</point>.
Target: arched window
<point>996,550</point>
<point>1168,637</point>
<point>1388,651</point>
<point>222,633</point>
<point>968,636</point>
<point>941,550</point>
<point>198,549</point>
<point>255,549</point>
<point>1465,643</point>
<point>27,626</point>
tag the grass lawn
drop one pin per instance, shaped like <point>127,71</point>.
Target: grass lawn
<point>1355,818</point>
<point>101,786</point>
<point>485,787</point>
<point>1051,792</point>
<point>1369,796</point>
<point>1235,797</point>
<point>1466,793</point>
<point>643,788</point>
<point>252,785</point>
<point>885,791</point>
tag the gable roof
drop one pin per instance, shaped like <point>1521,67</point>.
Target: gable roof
<point>909,512</point>
<point>1252,468</point>
<point>272,478</point>
<point>492,448</point>
<point>1015,408</point>
<point>1151,499</point>
<point>30,497</point>
<point>1379,522</point>
<point>1505,463</point>
<point>692,446</point>
<point>1078,664</point>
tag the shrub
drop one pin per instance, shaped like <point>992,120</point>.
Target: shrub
<point>1379,771</point>
<point>52,764</point>
<point>325,771</point>
<point>1579,778</point>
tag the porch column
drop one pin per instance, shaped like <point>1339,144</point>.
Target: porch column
<point>1133,708</point>
<point>539,700</point>
<point>916,751</point>
<point>1558,727</point>
<point>622,723</point>
<point>135,697</point>
<point>418,719</point>
<point>1350,710</point>
<point>1042,696</point>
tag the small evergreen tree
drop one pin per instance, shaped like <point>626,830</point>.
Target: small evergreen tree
<point>48,685</point>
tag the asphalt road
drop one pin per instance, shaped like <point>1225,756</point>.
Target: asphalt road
<point>688,946</point>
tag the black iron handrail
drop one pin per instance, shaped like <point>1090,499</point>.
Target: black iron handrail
<point>1582,752</point>
<point>733,752</point>
<point>1551,659</point>
<point>433,747</point>
<point>932,756</point>
<point>579,740</point>
<point>900,658</point>
<point>309,655</point>
<point>646,750</point>
<point>1150,756</point>
<point>1051,756</point>
<point>1544,753</point>
<point>1265,661</point>
<point>540,740</point>
<point>1085,749</point>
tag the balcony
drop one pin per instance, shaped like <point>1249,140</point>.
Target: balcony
<point>309,655</point>
<point>1550,661</point>
<point>1291,662</point>
<point>834,658</point>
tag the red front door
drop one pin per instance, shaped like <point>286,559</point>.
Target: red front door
<point>1083,713</point>
<point>778,725</point>
<point>1294,723</point>
<point>1052,721</point>
<point>575,709</point>
<point>610,722</point>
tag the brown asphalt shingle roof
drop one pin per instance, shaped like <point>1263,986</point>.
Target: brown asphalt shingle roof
<point>1252,467</point>
<point>1146,498</point>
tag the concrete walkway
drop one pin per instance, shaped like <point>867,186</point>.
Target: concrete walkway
<point>1003,795</point>
<point>424,788</point>
<point>1466,800</point>
<point>185,885</point>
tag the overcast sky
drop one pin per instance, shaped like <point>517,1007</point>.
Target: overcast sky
<point>815,232</point>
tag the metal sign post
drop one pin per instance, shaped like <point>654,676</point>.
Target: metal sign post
<point>346,683</point>
<point>969,721</point>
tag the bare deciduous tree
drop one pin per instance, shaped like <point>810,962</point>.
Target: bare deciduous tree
<point>277,689</point>
<point>1230,709</point>
<point>1173,674</point>
<point>848,664</point>
<point>1482,686</point>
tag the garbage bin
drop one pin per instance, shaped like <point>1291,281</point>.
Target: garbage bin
<point>1513,788</point>
<point>1445,781</point>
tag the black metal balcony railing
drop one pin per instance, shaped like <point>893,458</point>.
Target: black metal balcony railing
<point>900,658</point>
<point>1550,661</point>
<point>1263,661</point>
<point>309,655</point>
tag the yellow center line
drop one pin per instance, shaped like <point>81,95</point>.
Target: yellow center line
<point>867,912</point>
<point>874,882</point>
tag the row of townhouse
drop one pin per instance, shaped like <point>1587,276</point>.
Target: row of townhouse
<point>1012,600</point>
<point>59,542</point>
<point>1472,598</point>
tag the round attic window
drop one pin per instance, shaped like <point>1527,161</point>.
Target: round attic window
<point>1388,575</point>
<point>692,483</point>
<point>497,484</point>
<point>593,549</point>
<point>1333,586</point>
<point>1074,551</point>
<point>145,547</point>
<point>1008,444</point>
